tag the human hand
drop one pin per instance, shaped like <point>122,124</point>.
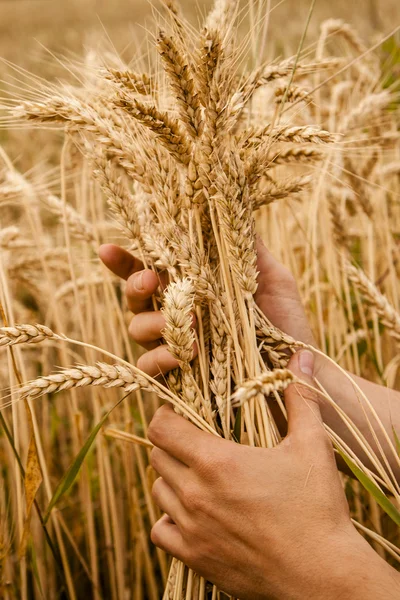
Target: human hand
<point>263,524</point>
<point>277,296</point>
<point>146,324</point>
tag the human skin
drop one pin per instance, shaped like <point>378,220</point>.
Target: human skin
<point>260,523</point>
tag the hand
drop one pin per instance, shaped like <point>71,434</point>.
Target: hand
<point>277,296</point>
<point>146,325</point>
<point>263,524</point>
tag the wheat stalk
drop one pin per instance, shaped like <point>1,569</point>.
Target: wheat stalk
<point>387,314</point>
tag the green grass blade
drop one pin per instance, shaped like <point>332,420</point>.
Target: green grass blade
<point>236,434</point>
<point>372,488</point>
<point>35,569</point>
<point>71,474</point>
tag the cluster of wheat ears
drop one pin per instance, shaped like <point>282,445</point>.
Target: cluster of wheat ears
<point>191,157</point>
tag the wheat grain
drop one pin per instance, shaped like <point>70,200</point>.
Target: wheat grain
<point>267,383</point>
<point>182,84</point>
<point>166,128</point>
<point>340,27</point>
<point>272,190</point>
<point>25,334</point>
<point>388,316</point>
<point>120,200</point>
<point>77,225</point>
<point>104,375</point>
<point>140,84</point>
<point>177,311</point>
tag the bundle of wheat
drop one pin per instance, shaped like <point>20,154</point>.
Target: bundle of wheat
<point>186,157</point>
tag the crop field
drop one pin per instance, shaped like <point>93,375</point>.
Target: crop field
<point>186,134</point>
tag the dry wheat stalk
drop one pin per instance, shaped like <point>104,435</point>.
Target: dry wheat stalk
<point>183,169</point>
<point>177,310</point>
<point>369,106</point>
<point>340,27</point>
<point>291,94</point>
<point>77,224</point>
<point>389,170</point>
<point>178,306</point>
<point>80,283</point>
<point>340,232</point>
<point>75,114</point>
<point>388,316</point>
<point>11,238</point>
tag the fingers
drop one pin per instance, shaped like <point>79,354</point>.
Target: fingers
<point>119,261</point>
<point>139,289</point>
<point>166,535</point>
<point>141,283</point>
<point>302,404</point>
<point>167,500</point>
<point>265,260</point>
<point>145,329</point>
<point>180,439</point>
<point>160,361</point>
<point>157,362</point>
<point>172,471</point>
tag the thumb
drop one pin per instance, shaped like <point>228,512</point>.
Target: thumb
<point>304,415</point>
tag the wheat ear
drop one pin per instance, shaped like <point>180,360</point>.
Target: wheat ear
<point>266,383</point>
<point>25,334</point>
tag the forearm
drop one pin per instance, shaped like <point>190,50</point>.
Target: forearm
<point>385,404</point>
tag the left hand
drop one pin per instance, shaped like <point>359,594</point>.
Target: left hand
<point>257,523</point>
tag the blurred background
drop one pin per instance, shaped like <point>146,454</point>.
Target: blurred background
<point>43,36</point>
<point>73,25</point>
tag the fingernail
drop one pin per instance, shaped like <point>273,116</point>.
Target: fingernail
<point>138,281</point>
<point>306,362</point>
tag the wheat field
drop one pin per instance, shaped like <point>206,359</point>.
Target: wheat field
<point>180,136</point>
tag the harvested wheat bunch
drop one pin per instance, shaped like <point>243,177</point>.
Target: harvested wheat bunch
<point>185,161</point>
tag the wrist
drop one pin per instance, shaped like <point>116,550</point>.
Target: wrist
<point>357,572</point>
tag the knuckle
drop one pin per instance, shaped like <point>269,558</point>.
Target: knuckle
<point>155,458</point>
<point>144,364</point>
<point>130,290</point>
<point>189,527</point>
<point>212,464</point>
<point>189,496</point>
<point>156,534</point>
<point>156,490</point>
<point>193,498</point>
<point>209,465</point>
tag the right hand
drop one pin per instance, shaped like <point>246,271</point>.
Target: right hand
<point>146,324</point>
<point>277,296</point>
